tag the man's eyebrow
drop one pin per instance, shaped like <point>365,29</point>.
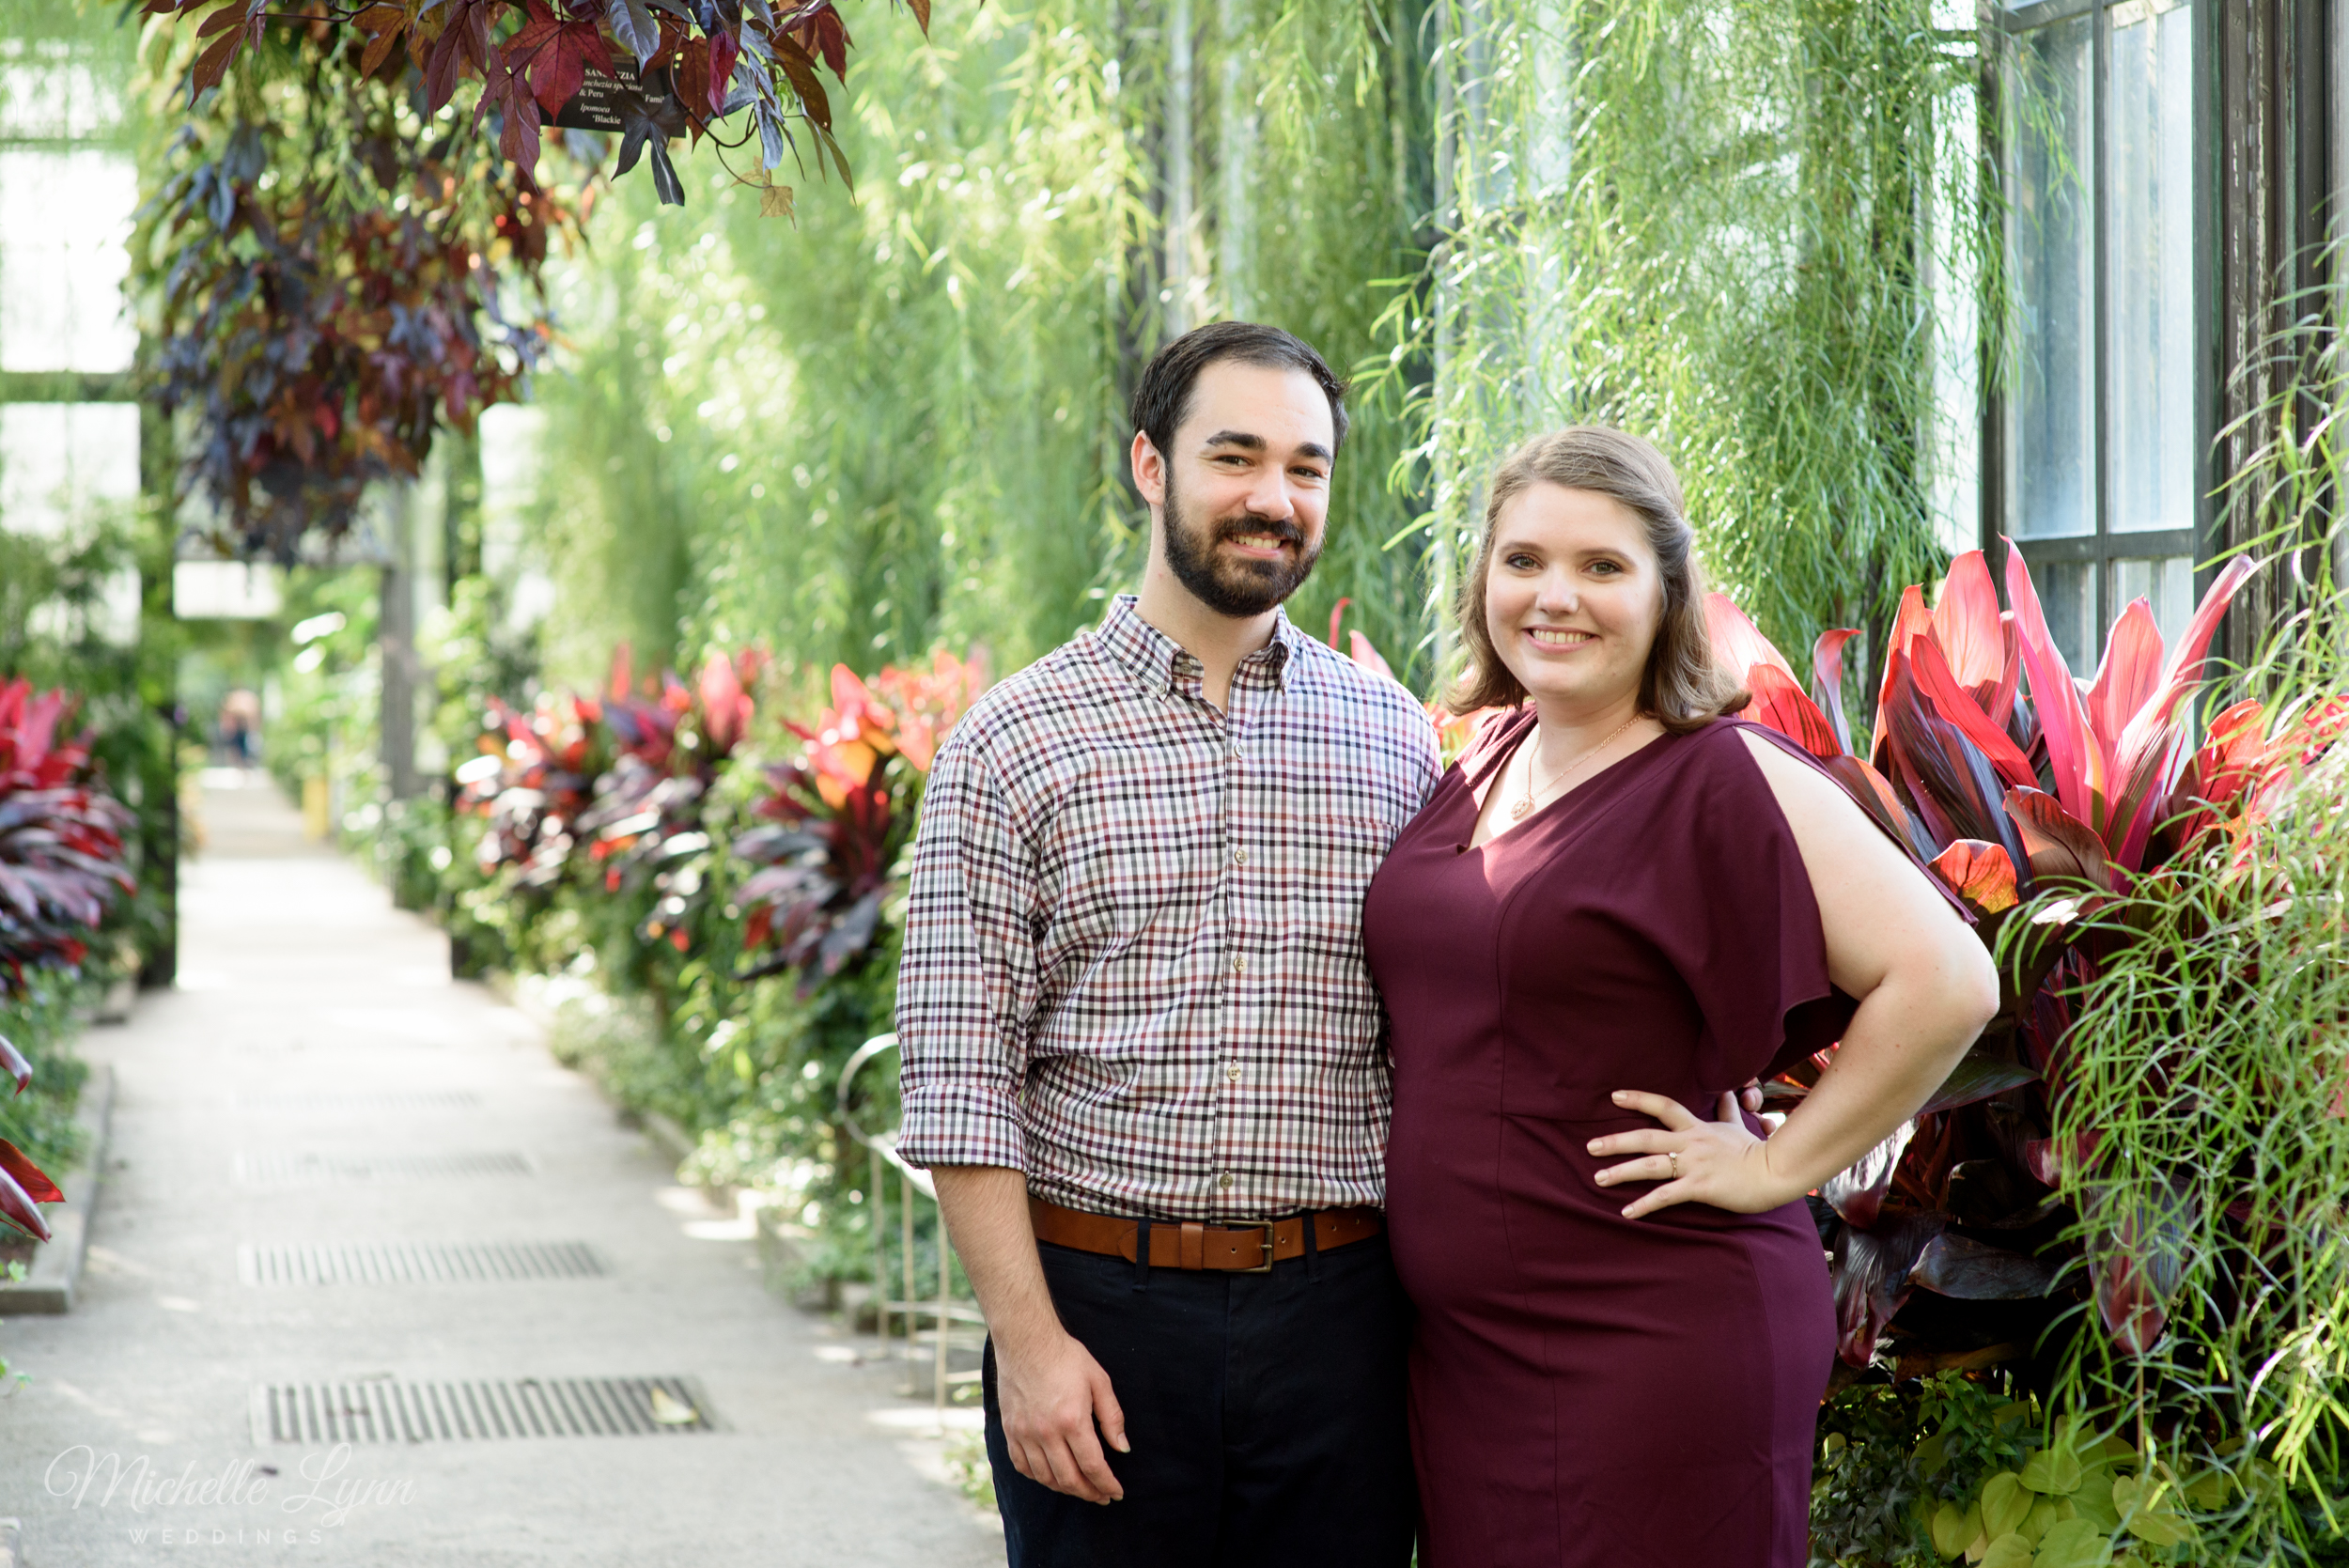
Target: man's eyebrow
<point>1250,442</point>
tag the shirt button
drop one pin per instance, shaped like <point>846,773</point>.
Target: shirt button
<point>1232,1072</point>
<point>1239,755</point>
<point>1239,856</point>
<point>1239,965</point>
<point>1225,1181</point>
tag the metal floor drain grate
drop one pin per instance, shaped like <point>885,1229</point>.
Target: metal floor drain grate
<point>419,1262</point>
<point>397,1099</point>
<point>384,1411</point>
<point>274,1169</point>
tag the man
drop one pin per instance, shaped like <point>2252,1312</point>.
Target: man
<point>1138,1029</point>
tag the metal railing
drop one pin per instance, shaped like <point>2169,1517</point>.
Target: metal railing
<point>943,1310</point>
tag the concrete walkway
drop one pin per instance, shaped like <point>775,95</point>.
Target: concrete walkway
<point>316,1040</point>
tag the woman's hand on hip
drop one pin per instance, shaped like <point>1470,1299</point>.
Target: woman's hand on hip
<point>1716,1162</point>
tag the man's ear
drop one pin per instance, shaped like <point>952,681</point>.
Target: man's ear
<point>1149,470</point>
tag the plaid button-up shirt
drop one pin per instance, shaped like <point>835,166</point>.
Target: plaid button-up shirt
<point>1134,962</point>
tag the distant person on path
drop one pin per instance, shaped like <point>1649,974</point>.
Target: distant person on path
<point>1138,1027</point>
<point>1619,907</point>
<point>240,726</point>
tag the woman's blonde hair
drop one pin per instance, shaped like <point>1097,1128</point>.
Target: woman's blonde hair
<point>1682,689</point>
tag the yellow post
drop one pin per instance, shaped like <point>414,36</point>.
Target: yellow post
<point>313,808</point>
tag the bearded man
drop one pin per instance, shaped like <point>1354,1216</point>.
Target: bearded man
<point>1143,1054</point>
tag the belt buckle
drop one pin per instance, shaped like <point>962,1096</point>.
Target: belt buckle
<point>1265,1226</point>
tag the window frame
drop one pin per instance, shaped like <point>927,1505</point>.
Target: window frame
<point>2102,548</point>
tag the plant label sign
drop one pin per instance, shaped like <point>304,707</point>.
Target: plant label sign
<point>601,100</point>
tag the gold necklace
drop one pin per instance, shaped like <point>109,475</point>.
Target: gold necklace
<point>1517,813</point>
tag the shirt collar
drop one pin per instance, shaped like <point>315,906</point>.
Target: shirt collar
<point>1159,664</point>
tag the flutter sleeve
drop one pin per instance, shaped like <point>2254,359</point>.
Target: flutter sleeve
<point>1743,929</point>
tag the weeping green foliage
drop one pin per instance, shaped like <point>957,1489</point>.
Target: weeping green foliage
<point>1745,230</point>
<point>902,422</point>
<point>2211,1099</point>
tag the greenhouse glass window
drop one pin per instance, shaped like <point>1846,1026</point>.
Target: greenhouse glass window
<point>2101,423</point>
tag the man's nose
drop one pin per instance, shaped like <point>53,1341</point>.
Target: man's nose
<point>1268,497</point>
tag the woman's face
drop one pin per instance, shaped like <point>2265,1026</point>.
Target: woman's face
<point>1573,598</point>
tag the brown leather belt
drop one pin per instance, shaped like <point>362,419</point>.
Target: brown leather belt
<point>1251,1249</point>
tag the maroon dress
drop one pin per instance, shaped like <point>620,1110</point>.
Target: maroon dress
<point>1587,1390</point>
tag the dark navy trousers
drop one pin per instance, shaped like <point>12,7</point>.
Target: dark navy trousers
<point>1267,1415</point>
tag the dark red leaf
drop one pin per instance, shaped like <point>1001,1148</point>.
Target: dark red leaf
<point>1969,1270</point>
<point>212,64</point>
<point>1954,703</point>
<point>724,48</point>
<point>2060,845</point>
<point>1857,1194</point>
<point>1976,1078</point>
<point>2139,1261</point>
<point>29,1176</point>
<point>16,1208</point>
<point>1870,1269</point>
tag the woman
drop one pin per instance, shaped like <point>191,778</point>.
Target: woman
<point>1616,908</point>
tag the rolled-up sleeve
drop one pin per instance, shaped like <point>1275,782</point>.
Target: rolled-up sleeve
<point>967,983</point>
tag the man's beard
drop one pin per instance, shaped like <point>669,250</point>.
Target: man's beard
<point>1238,588</point>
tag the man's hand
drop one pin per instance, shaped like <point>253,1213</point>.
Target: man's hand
<point>1052,1395</point>
<point>1049,1390</point>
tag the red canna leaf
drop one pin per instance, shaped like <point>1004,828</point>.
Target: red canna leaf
<point>2073,752</point>
<point>1778,703</point>
<point>29,1176</point>
<point>1980,873</point>
<point>1364,654</point>
<point>12,1062</point>
<point>16,1208</point>
<point>2148,752</point>
<point>1737,643</point>
<point>1966,622</point>
<point>2131,669</point>
<point>2058,844</point>
<point>1826,680</point>
<point>1956,705</point>
<point>1912,622</point>
<point>1336,617</point>
<point>1875,795</point>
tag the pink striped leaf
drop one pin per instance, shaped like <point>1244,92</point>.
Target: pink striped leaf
<point>2073,753</point>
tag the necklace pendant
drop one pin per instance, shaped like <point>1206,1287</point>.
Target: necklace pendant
<point>1516,813</point>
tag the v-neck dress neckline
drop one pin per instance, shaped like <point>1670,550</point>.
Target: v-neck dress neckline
<point>1493,761</point>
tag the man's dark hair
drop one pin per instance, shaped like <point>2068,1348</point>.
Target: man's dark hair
<point>1162,397</point>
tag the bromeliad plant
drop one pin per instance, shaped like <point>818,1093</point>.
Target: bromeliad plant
<point>2011,792</point>
<point>61,870</point>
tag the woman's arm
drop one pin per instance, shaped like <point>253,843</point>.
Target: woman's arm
<point>1925,989</point>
